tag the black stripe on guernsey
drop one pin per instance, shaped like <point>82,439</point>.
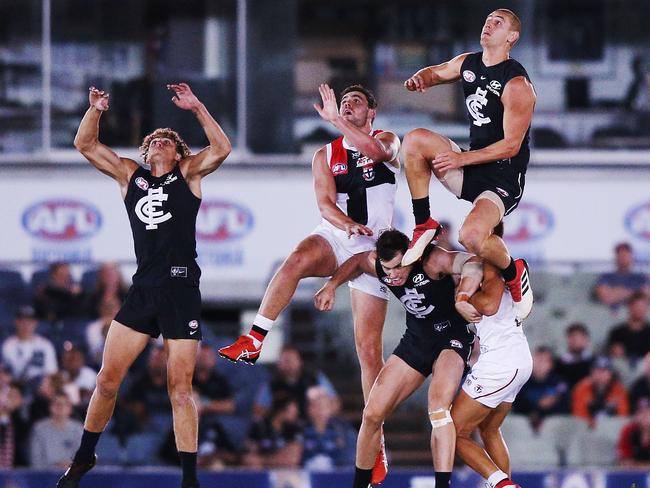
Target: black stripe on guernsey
<point>503,387</point>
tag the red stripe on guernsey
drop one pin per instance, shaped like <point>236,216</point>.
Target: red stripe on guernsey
<point>339,154</point>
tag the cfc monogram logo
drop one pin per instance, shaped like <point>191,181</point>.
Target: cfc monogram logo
<point>147,208</point>
<point>412,301</point>
<point>475,104</point>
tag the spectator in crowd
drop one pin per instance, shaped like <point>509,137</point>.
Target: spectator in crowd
<point>54,439</point>
<point>634,442</point>
<point>545,393</point>
<point>214,393</point>
<point>110,285</point>
<point>600,393</point>
<point>327,440</point>
<point>631,339</point>
<point>290,380</point>
<point>80,376</point>
<point>60,297</point>
<point>96,331</point>
<point>615,288</point>
<point>13,429</point>
<point>50,386</point>
<point>575,364</point>
<point>147,397</point>
<point>276,440</point>
<point>28,355</point>
<point>641,387</point>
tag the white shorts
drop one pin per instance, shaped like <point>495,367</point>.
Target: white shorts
<point>365,283</point>
<point>491,384</point>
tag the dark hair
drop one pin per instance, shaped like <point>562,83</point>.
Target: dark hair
<point>623,246</point>
<point>637,295</point>
<point>577,327</point>
<point>498,230</point>
<point>390,243</point>
<point>370,96</point>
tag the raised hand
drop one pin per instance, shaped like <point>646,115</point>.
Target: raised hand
<point>98,99</point>
<point>330,110</point>
<point>183,96</point>
<point>415,83</point>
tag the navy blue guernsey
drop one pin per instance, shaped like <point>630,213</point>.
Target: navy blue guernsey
<point>162,212</point>
<point>483,87</point>
<point>429,303</point>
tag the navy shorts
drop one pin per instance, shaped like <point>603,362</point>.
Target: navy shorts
<point>173,311</point>
<point>420,352</point>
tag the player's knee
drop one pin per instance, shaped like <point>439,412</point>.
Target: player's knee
<point>180,395</point>
<point>489,432</point>
<point>369,353</point>
<point>373,416</point>
<point>414,141</point>
<point>440,417</point>
<point>298,263</point>
<point>108,383</point>
<point>471,239</point>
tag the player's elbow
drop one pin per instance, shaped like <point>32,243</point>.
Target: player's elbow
<point>487,307</point>
<point>512,148</point>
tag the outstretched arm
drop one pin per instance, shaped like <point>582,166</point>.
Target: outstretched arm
<point>99,155</point>
<point>349,270</point>
<point>439,74</point>
<point>207,160</point>
<point>382,148</point>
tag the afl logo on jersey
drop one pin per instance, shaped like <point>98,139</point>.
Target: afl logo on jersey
<point>220,220</point>
<point>340,169</point>
<point>530,222</point>
<point>62,220</point>
<point>142,183</point>
<point>469,76</point>
<point>637,221</point>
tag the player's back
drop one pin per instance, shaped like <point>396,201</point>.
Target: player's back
<point>502,336</point>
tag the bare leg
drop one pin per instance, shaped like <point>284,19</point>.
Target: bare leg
<point>476,234</point>
<point>419,148</point>
<point>468,415</point>
<point>495,445</point>
<point>396,381</point>
<point>312,257</point>
<point>369,313</point>
<point>181,358</point>
<point>123,346</point>
<point>447,374</point>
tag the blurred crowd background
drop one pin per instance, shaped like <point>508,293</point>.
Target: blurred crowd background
<point>257,64</point>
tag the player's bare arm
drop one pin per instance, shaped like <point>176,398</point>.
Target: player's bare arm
<point>325,190</point>
<point>383,148</point>
<point>207,160</point>
<point>440,74</point>
<point>99,155</point>
<point>488,298</point>
<point>518,102</point>
<point>359,263</point>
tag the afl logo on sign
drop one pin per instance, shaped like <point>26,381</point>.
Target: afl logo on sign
<point>530,222</point>
<point>637,221</point>
<point>219,220</point>
<point>62,220</point>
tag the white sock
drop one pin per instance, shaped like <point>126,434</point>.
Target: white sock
<point>263,323</point>
<point>496,478</point>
